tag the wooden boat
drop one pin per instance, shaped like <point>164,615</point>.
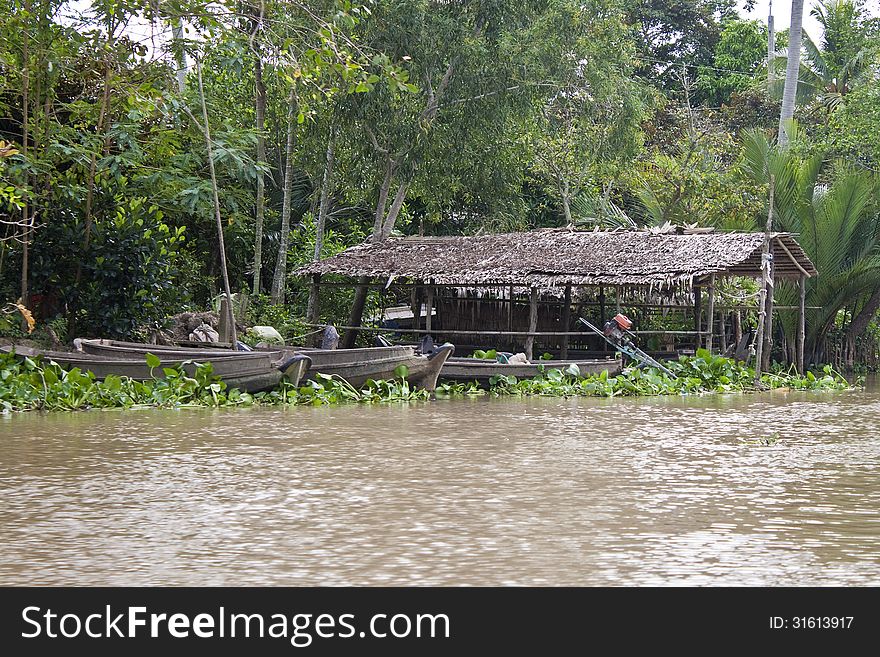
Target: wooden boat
<point>121,349</point>
<point>256,372</point>
<point>359,365</point>
<point>481,370</point>
<point>354,365</point>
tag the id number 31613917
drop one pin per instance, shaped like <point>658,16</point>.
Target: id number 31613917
<point>811,622</point>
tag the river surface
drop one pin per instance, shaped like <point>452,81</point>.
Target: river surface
<point>654,491</point>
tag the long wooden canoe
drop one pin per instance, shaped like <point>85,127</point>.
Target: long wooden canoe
<point>481,370</point>
<point>354,365</point>
<point>256,373</point>
<point>423,371</point>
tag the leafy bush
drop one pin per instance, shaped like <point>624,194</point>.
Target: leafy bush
<point>128,274</point>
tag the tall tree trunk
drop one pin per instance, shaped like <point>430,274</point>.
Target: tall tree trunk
<point>394,210</point>
<point>278,281</point>
<point>207,133</point>
<point>566,206</point>
<point>179,54</point>
<point>382,203</point>
<point>326,186</point>
<point>792,69</point>
<point>323,208</point>
<point>379,222</point>
<point>25,137</point>
<point>260,212</point>
<point>771,49</point>
<point>384,225</point>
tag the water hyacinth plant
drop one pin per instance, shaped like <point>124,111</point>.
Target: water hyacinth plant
<point>699,374</point>
<point>34,384</point>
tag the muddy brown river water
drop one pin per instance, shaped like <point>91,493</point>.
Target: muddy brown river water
<point>655,491</point>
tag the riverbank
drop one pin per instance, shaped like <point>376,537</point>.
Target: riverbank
<point>29,384</point>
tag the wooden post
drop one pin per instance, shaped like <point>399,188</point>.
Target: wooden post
<point>802,284</point>
<point>617,297</point>
<point>566,321</point>
<point>415,305</point>
<point>602,316</point>
<point>533,322</point>
<point>223,325</point>
<point>765,279</point>
<point>429,307</point>
<point>768,318</point>
<point>722,333</point>
<point>357,313</point>
<point>710,312</point>
<point>698,316</point>
<point>510,310</point>
<point>313,308</point>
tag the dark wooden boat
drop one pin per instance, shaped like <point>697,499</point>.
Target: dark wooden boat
<point>481,370</point>
<point>353,365</point>
<point>256,372</point>
<point>121,349</point>
<point>357,366</point>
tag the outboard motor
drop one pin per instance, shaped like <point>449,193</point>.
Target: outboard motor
<point>615,327</point>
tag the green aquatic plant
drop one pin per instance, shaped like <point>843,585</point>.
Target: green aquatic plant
<point>36,384</point>
<point>692,375</point>
<point>766,441</point>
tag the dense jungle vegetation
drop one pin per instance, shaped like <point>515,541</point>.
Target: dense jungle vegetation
<point>130,128</point>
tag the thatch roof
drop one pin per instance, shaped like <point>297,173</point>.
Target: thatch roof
<point>552,258</point>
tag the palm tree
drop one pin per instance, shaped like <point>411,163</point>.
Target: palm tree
<point>838,228</point>
<point>828,74</point>
<point>791,70</point>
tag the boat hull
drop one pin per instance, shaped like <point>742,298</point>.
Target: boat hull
<point>257,374</point>
<point>423,371</point>
<point>481,371</point>
<point>356,366</point>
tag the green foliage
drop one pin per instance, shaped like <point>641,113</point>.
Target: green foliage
<point>741,51</point>
<point>34,384</point>
<point>694,375</point>
<point>837,224</point>
<point>128,273</point>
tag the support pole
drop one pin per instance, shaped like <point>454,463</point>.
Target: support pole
<point>533,322</point>
<point>698,316</point>
<point>765,279</point>
<point>357,312</point>
<point>566,322</point>
<point>710,311</point>
<point>415,305</point>
<point>802,284</point>
<point>510,310</point>
<point>768,319</point>
<point>313,308</point>
<point>602,316</point>
<point>429,308</point>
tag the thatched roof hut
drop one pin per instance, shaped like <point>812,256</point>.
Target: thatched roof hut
<point>553,258</point>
